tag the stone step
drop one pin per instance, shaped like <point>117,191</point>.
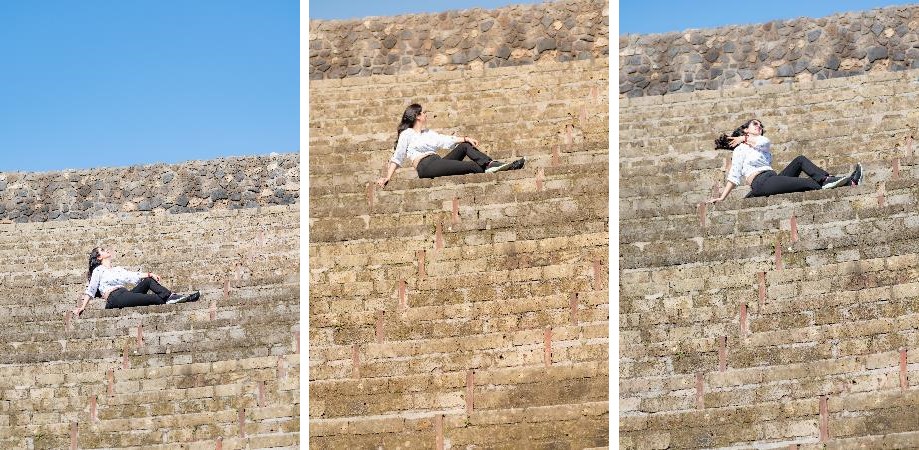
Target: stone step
<point>510,347</point>
<point>779,423</point>
<point>576,425</point>
<point>492,388</point>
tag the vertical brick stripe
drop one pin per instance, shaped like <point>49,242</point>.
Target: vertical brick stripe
<point>456,217</point>
<point>882,190</point>
<point>824,420</point>
<point>73,436</point>
<point>597,283</point>
<point>111,382</point>
<point>370,189</point>
<point>261,394</point>
<point>778,255</point>
<point>380,314</point>
<point>420,255</point>
<point>702,207</point>
<point>547,350</point>
<point>213,312</point>
<point>470,380</point>
<point>540,175</point>
<point>556,158</point>
<point>896,168</point>
<point>743,320</point>
<point>402,301</point>
<point>762,290</point>
<point>438,236</point>
<point>67,325</point>
<point>282,368</point>
<point>573,304</point>
<point>909,146</point>
<point>903,381</point>
<point>700,394</point>
<point>439,432</point>
<point>125,363</point>
<point>241,416</point>
<point>794,228</point>
<point>297,341</point>
<point>140,335</point>
<point>722,353</point>
<point>355,361</point>
<point>219,443</point>
<point>92,408</point>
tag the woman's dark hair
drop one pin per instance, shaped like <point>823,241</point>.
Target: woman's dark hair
<point>724,143</point>
<point>408,120</point>
<point>93,262</point>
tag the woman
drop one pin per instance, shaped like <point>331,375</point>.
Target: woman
<point>418,145</point>
<point>109,282</point>
<point>751,161</point>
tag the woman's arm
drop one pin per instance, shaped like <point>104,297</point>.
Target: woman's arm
<point>79,309</point>
<point>468,139</point>
<point>390,170</point>
<point>728,187</point>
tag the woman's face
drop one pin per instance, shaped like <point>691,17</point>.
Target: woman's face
<point>755,128</point>
<point>422,117</point>
<point>104,253</point>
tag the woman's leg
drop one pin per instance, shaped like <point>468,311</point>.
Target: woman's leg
<point>150,284</point>
<point>123,298</point>
<point>464,149</point>
<point>802,164</point>
<point>778,184</point>
<point>435,166</point>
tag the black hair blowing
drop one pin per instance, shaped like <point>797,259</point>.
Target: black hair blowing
<point>408,120</point>
<point>724,142</point>
<point>93,263</point>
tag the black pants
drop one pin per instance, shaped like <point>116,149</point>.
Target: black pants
<point>434,166</point>
<point>769,183</point>
<point>123,298</point>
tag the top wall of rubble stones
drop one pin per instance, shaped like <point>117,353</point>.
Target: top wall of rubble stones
<point>565,30</point>
<point>192,186</point>
<point>776,52</point>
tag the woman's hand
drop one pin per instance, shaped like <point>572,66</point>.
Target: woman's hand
<point>737,140</point>
<point>154,276</point>
<point>714,200</point>
<point>381,182</point>
<point>472,141</point>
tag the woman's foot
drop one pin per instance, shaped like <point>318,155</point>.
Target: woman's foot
<point>180,298</point>
<point>849,180</point>
<point>497,166</point>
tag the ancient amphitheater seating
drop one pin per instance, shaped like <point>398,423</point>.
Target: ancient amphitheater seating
<point>219,372</point>
<point>471,310</point>
<point>780,321</point>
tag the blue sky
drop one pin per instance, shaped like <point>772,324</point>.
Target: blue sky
<point>339,9</point>
<point>111,83</point>
<point>659,16</point>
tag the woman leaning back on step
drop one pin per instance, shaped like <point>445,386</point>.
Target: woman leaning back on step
<point>418,145</point>
<point>109,282</point>
<point>751,163</point>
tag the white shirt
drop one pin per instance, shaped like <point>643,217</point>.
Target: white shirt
<point>106,278</point>
<point>750,158</point>
<point>413,144</point>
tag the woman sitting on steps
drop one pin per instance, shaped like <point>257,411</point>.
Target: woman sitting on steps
<point>109,282</point>
<point>751,162</point>
<point>418,145</point>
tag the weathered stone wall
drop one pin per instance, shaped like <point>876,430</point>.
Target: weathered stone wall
<point>229,183</point>
<point>474,38</point>
<point>802,49</point>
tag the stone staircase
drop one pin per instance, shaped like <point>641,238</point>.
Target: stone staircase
<point>469,310</point>
<point>218,373</point>
<point>787,321</point>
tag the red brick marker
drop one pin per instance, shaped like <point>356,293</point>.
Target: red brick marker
<point>882,190</point>
<point>556,159</point>
<point>702,207</point>
<point>896,168</point>
<point>762,290</point>
<point>743,320</point>
<point>241,416</point>
<point>547,351</point>
<point>420,255</point>
<point>824,420</point>
<point>92,409</point>
<point>456,217</point>
<point>261,394</point>
<point>439,432</point>
<point>794,228</point>
<point>73,436</point>
<point>903,381</point>
<point>402,302</point>
<point>470,381</point>
<point>700,391</point>
<point>438,237</point>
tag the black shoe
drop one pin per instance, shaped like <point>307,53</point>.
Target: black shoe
<point>194,296</point>
<point>835,182</point>
<point>494,166</point>
<point>856,175</point>
<point>518,164</point>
